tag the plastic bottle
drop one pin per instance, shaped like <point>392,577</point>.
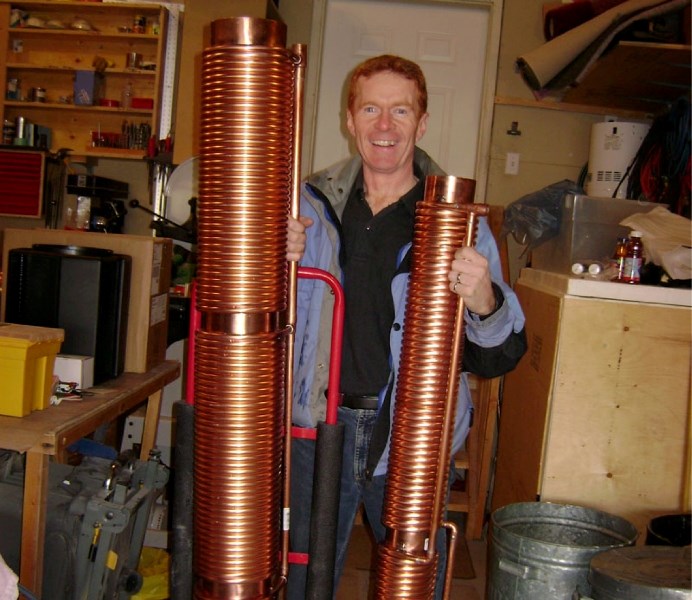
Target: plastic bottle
<point>634,259</point>
<point>619,258</point>
<point>126,97</point>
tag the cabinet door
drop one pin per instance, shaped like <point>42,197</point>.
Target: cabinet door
<point>22,175</point>
<point>78,55</point>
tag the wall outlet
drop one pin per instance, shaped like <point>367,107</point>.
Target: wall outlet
<point>512,163</point>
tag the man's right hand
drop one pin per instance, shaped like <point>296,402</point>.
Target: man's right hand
<point>295,247</point>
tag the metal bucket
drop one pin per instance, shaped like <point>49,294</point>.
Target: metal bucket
<point>542,550</point>
<point>641,573</point>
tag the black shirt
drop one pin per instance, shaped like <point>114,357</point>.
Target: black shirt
<point>370,249</point>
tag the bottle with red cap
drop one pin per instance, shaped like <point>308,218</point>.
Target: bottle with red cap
<point>634,258</point>
<point>619,258</point>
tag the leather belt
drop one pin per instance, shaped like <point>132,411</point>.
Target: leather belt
<point>359,402</point>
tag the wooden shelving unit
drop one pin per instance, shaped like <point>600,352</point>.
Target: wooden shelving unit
<point>636,76</point>
<point>634,80</point>
<point>49,57</point>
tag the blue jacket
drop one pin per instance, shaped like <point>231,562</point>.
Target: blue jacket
<point>493,345</point>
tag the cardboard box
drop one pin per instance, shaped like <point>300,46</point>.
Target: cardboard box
<point>72,368</point>
<point>27,355</point>
<point>601,397</point>
<point>526,391</point>
<point>147,323</point>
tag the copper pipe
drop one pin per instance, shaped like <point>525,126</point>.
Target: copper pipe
<point>247,188</point>
<point>427,389</point>
<point>451,551</point>
<point>300,54</point>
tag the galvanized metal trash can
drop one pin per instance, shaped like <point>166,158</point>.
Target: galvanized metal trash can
<point>542,550</point>
<point>642,573</point>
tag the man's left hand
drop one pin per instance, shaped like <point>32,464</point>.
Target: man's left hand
<point>469,277</point>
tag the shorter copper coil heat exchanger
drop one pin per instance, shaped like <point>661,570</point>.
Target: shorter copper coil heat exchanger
<point>248,185</point>
<point>426,395</point>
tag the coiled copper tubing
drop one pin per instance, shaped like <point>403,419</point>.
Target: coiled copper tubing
<point>238,461</point>
<point>246,191</point>
<point>400,577</point>
<point>245,179</point>
<point>426,394</point>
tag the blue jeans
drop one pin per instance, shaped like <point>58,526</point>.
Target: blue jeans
<point>356,488</point>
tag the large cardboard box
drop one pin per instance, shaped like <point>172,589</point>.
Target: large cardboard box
<point>602,398</point>
<point>527,391</point>
<point>147,324</point>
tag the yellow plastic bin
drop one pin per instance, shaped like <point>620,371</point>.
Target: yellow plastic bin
<point>154,565</point>
<point>27,357</point>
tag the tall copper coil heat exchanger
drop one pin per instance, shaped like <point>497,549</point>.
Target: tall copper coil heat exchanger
<point>248,185</point>
<point>426,396</point>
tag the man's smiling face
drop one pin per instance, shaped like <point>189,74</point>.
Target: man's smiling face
<point>385,122</point>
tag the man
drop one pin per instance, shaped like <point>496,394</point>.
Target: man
<point>357,221</point>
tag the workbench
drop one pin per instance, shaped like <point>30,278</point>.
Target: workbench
<point>47,433</point>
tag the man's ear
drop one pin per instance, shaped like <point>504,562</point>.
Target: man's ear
<point>349,123</point>
<point>422,126</point>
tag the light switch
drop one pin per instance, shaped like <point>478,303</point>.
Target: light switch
<point>512,163</point>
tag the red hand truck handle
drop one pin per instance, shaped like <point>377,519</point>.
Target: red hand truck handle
<point>333,396</point>
<point>195,324</point>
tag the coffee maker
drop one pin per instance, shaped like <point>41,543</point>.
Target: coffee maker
<point>99,204</point>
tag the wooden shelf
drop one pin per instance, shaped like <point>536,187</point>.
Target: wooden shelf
<point>78,5</point>
<point>556,104</point>
<point>50,57</point>
<point>634,80</point>
<point>58,32</point>
<point>72,69</point>
<point>637,76</point>
<point>24,106</point>
<point>105,152</point>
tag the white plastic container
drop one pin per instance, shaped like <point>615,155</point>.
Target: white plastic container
<point>614,144</point>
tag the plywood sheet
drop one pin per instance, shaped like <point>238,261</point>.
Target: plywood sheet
<point>619,423</point>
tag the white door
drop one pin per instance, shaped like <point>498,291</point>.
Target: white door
<point>448,41</point>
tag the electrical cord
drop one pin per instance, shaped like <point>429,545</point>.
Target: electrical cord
<point>660,171</point>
